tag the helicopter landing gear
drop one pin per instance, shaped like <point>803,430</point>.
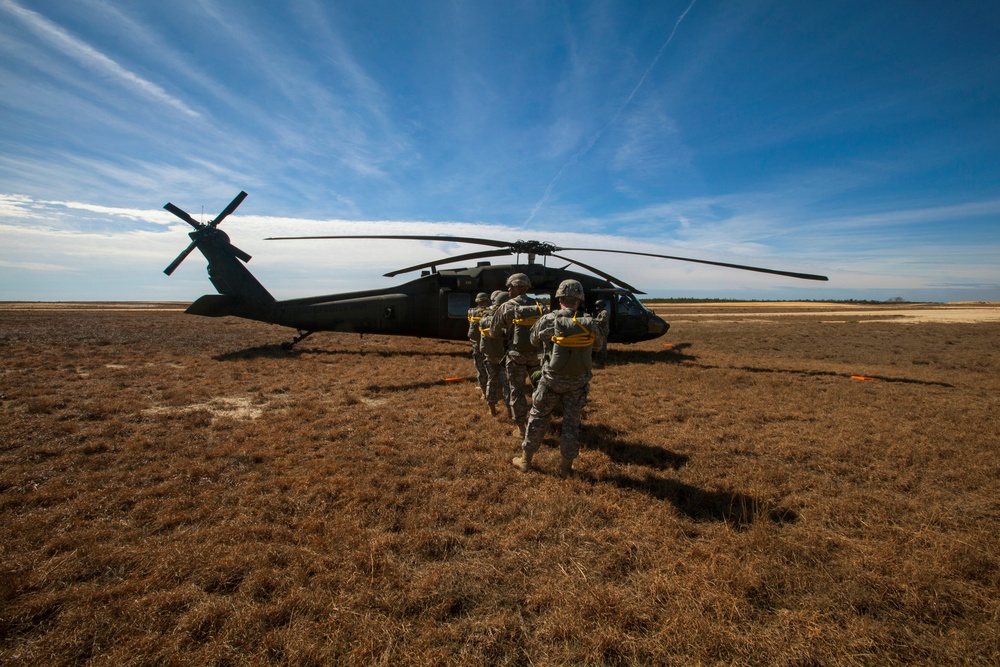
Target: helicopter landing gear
<point>287,345</point>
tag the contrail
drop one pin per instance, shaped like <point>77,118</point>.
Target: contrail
<point>82,51</point>
<point>594,139</point>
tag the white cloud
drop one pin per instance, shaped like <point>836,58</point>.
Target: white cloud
<point>18,206</point>
<point>33,266</point>
<point>159,217</point>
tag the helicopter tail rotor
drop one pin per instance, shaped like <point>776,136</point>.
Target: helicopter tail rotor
<point>207,232</point>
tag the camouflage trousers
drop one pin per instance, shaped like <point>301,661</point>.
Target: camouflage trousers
<point>517,375</point>
<point>479,359</point>
<point>496,382</point>
<point>571,393</point>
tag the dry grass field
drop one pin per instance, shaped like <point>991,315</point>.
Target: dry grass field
<point>766,485</point>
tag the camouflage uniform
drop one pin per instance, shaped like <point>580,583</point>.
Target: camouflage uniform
<point>513,321</point>
<point>475,313</point>
<point>493,351</point>
<point>568,338</point>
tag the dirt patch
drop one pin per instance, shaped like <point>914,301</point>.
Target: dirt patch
<point>236,407</point>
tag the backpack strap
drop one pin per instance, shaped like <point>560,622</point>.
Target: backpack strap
<point>584,339</point>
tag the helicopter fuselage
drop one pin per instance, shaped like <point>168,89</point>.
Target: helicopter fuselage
<point>434,305</point>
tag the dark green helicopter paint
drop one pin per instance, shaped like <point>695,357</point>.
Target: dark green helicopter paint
<point>435,305</point>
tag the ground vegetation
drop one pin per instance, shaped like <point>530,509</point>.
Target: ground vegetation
<point>753,489</point>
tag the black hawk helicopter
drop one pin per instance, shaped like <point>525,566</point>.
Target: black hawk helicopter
<point>435,305</point>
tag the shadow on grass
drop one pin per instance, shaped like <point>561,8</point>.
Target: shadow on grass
<point>278,352</point>
<point>392,388</point>
<point>669,355</point>
<point>808,373</point>
<point>735,509</point>
<point>598,436</point>
<point>675,354</point>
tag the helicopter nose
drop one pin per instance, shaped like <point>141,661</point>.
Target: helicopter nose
<point>657,326</point>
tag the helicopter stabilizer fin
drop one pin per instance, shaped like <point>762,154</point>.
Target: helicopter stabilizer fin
<point>212,305</point>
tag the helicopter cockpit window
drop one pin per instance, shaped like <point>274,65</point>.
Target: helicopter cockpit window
<point>459,304</point>
<point>629,305</point>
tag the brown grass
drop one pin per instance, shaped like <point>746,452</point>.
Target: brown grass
<point>178,490</point>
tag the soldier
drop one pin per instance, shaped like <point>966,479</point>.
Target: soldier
<point>493,350</point>
<point>475,313</point>
<point>568,338</point>
<point>513,322</point>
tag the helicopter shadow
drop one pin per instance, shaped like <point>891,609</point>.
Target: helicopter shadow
<point>675,354</point>
<point>278,351</point>
<point>732,508</point>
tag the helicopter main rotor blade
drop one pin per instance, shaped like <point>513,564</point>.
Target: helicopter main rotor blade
<point>790,274</point>
<point>182,215</point>
<point>180,258</point>
<point>237,200</point>
<point>544,249</point>
<point>606,276</point>
<point>449,260</point>
<point>404,237</point>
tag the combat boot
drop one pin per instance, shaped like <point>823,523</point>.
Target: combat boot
<point>566,467</point>
<point>523,462</point>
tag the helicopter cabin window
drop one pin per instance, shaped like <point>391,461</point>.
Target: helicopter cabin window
<point>459,304</point>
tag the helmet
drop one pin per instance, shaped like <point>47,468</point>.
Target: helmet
<point>518,280</point>
<point>498,297</point>
<point>570,288</point>
<point>482,297</point>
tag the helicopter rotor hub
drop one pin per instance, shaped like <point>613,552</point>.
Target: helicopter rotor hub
<point>533,248</point>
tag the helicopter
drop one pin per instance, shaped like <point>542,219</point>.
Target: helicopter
<point>435,305</point>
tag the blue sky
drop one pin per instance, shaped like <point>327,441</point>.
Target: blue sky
<point>858,140</point>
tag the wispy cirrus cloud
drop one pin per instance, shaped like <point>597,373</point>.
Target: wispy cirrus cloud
<point>90,57</point>
<point>594,138</point>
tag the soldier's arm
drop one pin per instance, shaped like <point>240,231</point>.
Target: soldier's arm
<point>542,330</point>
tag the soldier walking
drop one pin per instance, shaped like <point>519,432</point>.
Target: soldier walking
<point>493,351</point>
<point>513,321</point>
<point>475,313</point>
<point>568,338</point>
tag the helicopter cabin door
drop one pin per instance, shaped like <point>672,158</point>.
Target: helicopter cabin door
<point>454,323</point>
